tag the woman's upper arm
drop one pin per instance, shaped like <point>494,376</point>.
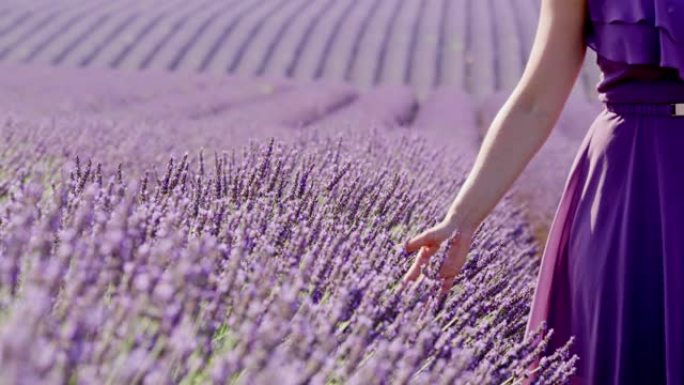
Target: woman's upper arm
<point>556,58</point>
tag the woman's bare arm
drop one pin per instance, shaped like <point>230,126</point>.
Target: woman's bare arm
<point>525,120</point>
<point>518,131</point>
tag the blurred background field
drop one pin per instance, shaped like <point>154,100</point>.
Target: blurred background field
<point>476,46</point>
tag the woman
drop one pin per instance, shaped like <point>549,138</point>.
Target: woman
<point>612,269</point>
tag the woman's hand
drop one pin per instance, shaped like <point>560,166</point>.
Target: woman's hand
<point>428,243</point>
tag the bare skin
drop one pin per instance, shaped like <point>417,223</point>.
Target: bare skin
<point>516,134</point>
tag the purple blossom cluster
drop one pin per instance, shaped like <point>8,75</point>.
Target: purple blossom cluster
<point>173,251</point>
<point>158,229</point>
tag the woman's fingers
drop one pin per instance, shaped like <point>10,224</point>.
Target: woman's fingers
<point>455,258</point>
<point>428,243</point>
<point>453,263</point>
<point>430,237</point>
<point>423,257</point>
<point>447,283</point>
<point>423,239</point>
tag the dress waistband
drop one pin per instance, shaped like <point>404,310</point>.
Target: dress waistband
<point>668,109</point>
<point>644,92</point>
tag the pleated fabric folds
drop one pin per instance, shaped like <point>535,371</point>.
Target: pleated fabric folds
<point>638,31</point>
<point>612,271</point>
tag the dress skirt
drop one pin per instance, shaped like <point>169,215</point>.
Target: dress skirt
<point>612,269</point>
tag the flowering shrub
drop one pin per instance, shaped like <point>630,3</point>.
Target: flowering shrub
<point>154,254</point>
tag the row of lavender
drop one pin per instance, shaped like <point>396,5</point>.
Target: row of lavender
<point>237,105</point>
<point>154,239</point>
<point>475,45</point>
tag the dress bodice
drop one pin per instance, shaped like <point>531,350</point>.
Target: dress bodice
<point>636,41</point>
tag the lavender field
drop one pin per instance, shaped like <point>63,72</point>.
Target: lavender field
<point>479,46</point>
<point>217,192</point>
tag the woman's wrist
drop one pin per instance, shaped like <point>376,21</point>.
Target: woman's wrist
<point>462,221</point>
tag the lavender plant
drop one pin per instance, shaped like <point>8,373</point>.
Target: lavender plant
<point>156,254</point>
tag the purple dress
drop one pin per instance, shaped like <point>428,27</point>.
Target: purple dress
<point>612,272</point>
